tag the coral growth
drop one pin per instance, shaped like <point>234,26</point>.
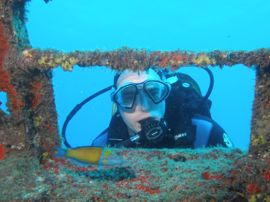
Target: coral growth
<point>215,174</point>
<point>2,151</point>
<point>5,82</point>
<point>37,93</point>
<point>3,45</point>
<point>203,60</point>
<point>62,60</point>
<point>126,58</point>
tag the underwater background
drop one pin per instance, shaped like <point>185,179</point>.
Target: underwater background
<point>153,25</point>
<point>33,169</point>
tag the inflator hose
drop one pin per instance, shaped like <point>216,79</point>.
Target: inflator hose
<point>210,88</point>
<point>76,109</point>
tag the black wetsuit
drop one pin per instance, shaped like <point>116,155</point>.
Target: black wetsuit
<point>188,120</point>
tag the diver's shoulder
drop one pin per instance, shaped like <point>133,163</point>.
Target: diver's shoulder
<point>203,117</point>
<point>207,119</point>
<point>216,135</point>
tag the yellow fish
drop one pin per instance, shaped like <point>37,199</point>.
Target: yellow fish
<point>91,155</point>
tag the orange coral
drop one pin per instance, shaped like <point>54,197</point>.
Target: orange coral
<point>207,176</point>
<point>3,46</point>
<point>266,175</point>
<point>253,188</point>
<point>148,189</point>
<point>5,84</point>
<point>164,62</point>
<point>37,93</point>
<point>2,151</point>
<point>176,60</point>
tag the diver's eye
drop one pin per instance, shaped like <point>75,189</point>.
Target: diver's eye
<point>127,97</point>
<point>154,91</point>
<point>157,91</point>
<point>128,93</point>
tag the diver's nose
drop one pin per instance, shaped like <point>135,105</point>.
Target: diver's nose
<point>143,102</point>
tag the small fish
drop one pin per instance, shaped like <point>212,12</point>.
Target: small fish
<point>2,151</point>
<point>90,155</point>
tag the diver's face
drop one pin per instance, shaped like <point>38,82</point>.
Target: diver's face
<point>143,106</point>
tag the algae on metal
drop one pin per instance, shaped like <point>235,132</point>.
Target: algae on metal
<point>216,174</point>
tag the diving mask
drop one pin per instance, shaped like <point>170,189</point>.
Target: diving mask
<point>156,90</point>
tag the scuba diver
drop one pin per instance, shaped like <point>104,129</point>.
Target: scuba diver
<point>156,108</point>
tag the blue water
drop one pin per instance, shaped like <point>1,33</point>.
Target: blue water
<point>3,102</point>
<point>153,25</point>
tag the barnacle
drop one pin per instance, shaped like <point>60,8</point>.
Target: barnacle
<point>27,54</point>
<point>68,64</point>
<point>38,120</point>
<point>256,140</point>
<point>203,59</point>
<point>73,60</point>
<point>51,63</point>
<point>64,61</point>
<point>42,60</point>
<point>58,60</point>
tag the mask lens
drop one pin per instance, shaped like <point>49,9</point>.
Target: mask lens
<point>125,97</point>
<point>157,91</point>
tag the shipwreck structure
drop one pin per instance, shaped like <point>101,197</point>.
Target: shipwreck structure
<point>31,126</point>
<point>25,75</point>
